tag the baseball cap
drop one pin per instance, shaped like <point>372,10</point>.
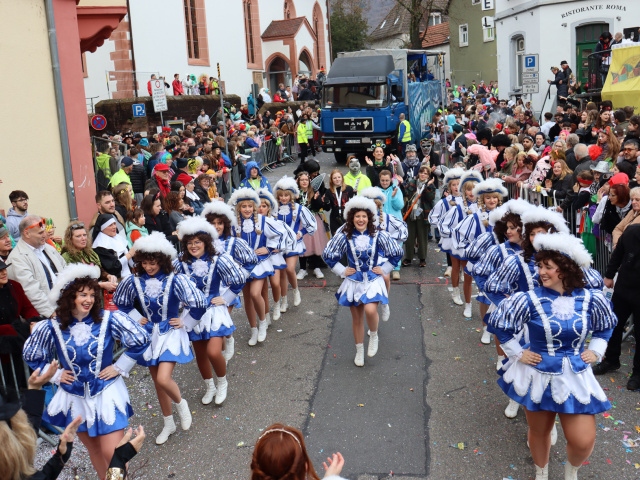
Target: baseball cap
<point>126,161</point>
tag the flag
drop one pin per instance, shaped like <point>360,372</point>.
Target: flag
<point>622,86</point>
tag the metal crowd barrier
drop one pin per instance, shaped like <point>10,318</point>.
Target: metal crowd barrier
<point>275,151</point>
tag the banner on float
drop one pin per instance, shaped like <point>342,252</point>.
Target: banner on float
<point>622,86</point>
<point>425,97</point>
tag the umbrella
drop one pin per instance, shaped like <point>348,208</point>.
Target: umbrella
<point>316,182</point>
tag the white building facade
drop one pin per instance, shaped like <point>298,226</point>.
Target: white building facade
<point>253,41</point>
<point>556,30</point>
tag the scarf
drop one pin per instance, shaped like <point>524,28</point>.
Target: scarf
<point>412,162</point>
<point>163,185</point>
<point>193,196</point>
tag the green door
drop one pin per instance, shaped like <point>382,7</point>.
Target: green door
<point>587,37</point>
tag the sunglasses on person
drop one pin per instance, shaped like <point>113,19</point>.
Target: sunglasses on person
<point>77,226</point>
<point>629,149</point>
<point>42,223</point>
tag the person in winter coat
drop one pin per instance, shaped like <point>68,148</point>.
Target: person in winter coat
<point>177,85</point>
<point>632,217</point>
<point>421,188</point>
<point>337,197</point>
<point>254,178</point>
<point>558,184</point>
<point>562,84</point>
<point>612,208</point>
<point>603,53</point>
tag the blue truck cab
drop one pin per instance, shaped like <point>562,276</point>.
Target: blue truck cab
<point>362,99</point>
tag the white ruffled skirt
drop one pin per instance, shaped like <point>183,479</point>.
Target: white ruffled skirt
<point>171,346</point>
<point>263,269</point>
<point>352,293</point>
<point>215,322</point>
<point>277,261</point>
<point>107,412</point>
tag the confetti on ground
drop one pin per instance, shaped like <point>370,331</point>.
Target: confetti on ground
<point>240,444</point>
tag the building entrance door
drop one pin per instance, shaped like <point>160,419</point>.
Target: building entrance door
<point>587,37</point>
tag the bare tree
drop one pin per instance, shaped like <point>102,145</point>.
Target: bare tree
<point>420,11</point>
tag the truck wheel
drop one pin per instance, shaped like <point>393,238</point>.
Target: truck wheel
<point>341,158</point>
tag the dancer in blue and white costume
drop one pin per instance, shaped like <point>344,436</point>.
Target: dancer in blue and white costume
<point>489,194</point>
<point>263,234</point>
<point>82,336</point>
<point>223,217</point>
<point>363,286</point>
<point>452,182</point>
<point>302,222</point>
<point>553,375</point>
<point>395,227</point>
<point>208,269</point>
<point>447,225</point>
<point>268,208</point>
<point>160,293</point>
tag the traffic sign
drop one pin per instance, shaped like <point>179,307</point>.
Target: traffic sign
<point>98,122</point>
<point>531,63</point>
<point>159,96</point>
<point>535,76</point>
<point>139,110</point>
<point>532,88</point>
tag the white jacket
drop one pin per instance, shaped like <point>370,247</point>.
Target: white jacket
<point>27,269</point>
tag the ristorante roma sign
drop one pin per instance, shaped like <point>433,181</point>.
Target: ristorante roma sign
<point>594,8</point>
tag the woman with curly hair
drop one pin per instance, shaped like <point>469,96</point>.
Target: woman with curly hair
<point>263,234</point>
<point>553,376</point>
<point>363,287</point>
<point>82,336</point>
<point>222,217</point>
<point>159,292</point>
<point>208,268</point>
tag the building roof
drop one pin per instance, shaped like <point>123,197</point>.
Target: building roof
<point>436,35</point>
<point>398,21</point>
<point>283,28</point>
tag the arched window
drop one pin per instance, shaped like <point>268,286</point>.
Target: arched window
<point>289,9</point>
<point>319,30</point>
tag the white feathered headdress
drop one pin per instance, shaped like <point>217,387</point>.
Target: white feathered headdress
<point>156,242</point>
<point>242,194</point>
<point>541,214</point>
<point>453,174</point>
<point>517,206</point>
<point>288,184</point>
<point>470,176</point>
<point>193,225</point>
<point>265,194</point>
<point>566,244</point>
<point>217,207</point>
<point>70,274</point>
<point>491,185</point>
<point>496,214</point>
<point>374,193</point>
<point>360,203</point>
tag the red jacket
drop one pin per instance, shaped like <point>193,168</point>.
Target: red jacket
<point>26,311</point>
<point>149,87</point>
<point>177,87</point>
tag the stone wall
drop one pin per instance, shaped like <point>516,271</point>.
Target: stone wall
<point>119,113</point>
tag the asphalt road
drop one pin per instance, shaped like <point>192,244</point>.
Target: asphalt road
<point>431,387</point>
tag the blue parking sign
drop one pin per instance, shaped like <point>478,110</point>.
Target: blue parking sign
<point>139,110</point>
<point>531,63</point>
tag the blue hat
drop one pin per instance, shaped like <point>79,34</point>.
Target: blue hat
<point>126,161</point>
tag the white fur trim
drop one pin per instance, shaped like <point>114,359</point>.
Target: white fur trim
<point>360,203</point>
<point>496,215</point>
<point>288,184</point>
<point>517,206</point>
<point>374,193</point>
<point>68,275</point>
<point>265,194</point>
<point>453,174</point>
<point>156,242</point>
<point>193,225</point>
<point>217,207</point>
<point>566,244</point>
<point>541,214</point>
<point>471,176</point>
<point>491,185</point>
<point>244,194</point>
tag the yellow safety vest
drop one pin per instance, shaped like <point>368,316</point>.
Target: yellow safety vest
<point>302,133</point>
<point>407,132</point>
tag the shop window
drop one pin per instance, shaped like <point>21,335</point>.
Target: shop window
<point>463,35</point>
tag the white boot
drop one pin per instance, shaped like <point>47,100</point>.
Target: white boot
<point>359,360</point>
<point>284,304</point>
<point>373,344</point>
<point>227,353</point>
<point>211,391</point>
<point>554,433</point>
<point>467,310</point>
<point>386,312</point>
<point>267,318</point>
<point>486,336</point>
<point>296,297</point>
<point>262,330</point>
<point>455,295</point>
<point>500,360</point>
<point>222,390</point>
<point>512,409</point>
<point>168,429</point>
<point>185,414</point>
<point>318,273</point>
<point>276,311</point>
<point>542,473</point>
<point>447,272</point>
<point>301,274</point>
<point>570,472</point>
<point>254,336</point>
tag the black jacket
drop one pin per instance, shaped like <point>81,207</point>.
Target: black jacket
<point>611,218</point>
<point>561,187</point>
<point>160,224</point>
<point>570,158</point>
<point>626,261</point>
<point>335,217</point>
<point>138,177</point>
<point>562,84</point>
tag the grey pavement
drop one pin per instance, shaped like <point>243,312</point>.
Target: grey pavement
<point>431,387</point>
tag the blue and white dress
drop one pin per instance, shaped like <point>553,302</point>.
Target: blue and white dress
<point>363,252</point>
<point>273,236</point>
<point>558,327</point>
<point>454,216</point>
<point>491,259</point>
<point>439,210</point>
<point>300,220</point>
<point>160,297</point>
<point>86,348</point>
<point>242,254</point>
<point>209,273</point>
<point>277,257</point>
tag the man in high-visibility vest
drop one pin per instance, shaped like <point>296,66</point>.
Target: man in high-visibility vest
<point>303,140</point>
<point>404,134</point>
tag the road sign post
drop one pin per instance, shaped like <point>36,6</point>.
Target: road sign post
<point>226,144</point>
<point>98,122</point>
<point>531,64</point>
<point>159,98</point>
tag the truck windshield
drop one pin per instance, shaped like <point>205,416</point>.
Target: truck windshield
<point>355,96</point>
